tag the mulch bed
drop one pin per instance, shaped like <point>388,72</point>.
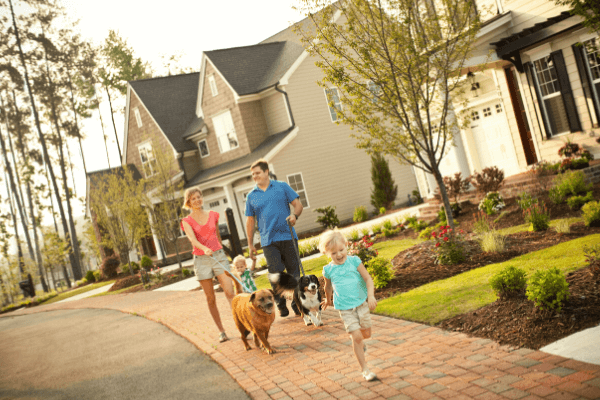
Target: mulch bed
<point>129,281</point>
<point>516,321</point>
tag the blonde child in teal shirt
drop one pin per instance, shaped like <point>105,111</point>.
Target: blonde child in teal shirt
<point>349,288</point>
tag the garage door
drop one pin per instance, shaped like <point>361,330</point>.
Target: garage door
<point>492,138</point>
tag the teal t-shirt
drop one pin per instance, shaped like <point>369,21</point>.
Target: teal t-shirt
<point>349,287</point>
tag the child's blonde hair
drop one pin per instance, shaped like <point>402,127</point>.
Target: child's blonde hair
<point>239,258</point>
<point>330,238</point>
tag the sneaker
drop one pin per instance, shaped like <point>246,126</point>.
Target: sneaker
<point>223,337</point>
<point>284,312</point>
<point>368,375</point>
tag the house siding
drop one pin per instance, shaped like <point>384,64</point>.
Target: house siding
<point>191,164</point>
<point>334,171</point>
<point>276,114</point>
<point>254,123</point>
<point>527,13</point>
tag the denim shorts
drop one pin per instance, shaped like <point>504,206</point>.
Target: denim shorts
<point>207,267</point>
<point>356,318</point>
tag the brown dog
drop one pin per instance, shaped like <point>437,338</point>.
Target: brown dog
<point>255,313</point>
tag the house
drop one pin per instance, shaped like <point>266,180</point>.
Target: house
<point>246,103</point>
<point>537,90</point>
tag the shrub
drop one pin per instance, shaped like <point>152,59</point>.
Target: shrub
<point>136,267</point>
<point>525,201</point>
<point>389,232</point>
<point>363,250</point>
<point>89,276</point>
<point>81,282</point>
<point>502,215</point>
<point>329,219</point>
<point>492,203</point>
<point>308,247</point>
<point>418,226</point>
<point>576,202</point>
<point>538,216</point>
<point>109,266</point>
<point>591,213</point>
<point>440,224</point>
<point>509,282</point>
<point>384,190</point>
<point>455,207</point>
<point>548,289</point>
<point>387,224</point>
<point>481,223</point>
<point>456,186</point>
<point>492,242</point>
<point>580,163</point>
<point>365,232</point>
<point>382,210</point>
<point>381,271</point>
<point>572,183</point>
<point>417,196</point>
<point>543,172</point>
<point>185,272</point>
<point>562,226</point>
<point>489,180</point>
<point>592,257</point>
<point>146,263</point>
<point>376,228</point>
<point>97,275</point>
<point>426,233</point>
<point>556,195</point>
<point>360,214</point>
<point>125,268</point>
<point>449,247</point>
<point>354,235</point>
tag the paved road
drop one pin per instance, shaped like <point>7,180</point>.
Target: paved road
<point>104,354</point>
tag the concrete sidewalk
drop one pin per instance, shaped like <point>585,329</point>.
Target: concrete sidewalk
<point>412,361</point>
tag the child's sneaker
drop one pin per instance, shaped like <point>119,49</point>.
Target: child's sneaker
<point>368,375</point>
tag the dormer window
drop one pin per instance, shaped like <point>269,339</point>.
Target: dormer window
<point>203,147</point>
<point>213,85</point>
<point>148,159</point>
<point>225,132</point>
<point>138,117</point>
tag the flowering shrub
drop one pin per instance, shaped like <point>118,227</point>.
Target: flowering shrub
<point>362,249</point>
<point>538,216</point>
<point>492,203</point>
<point>449,248</point>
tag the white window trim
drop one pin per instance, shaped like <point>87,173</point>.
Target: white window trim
<point>207,148</point>
<point>143,145</point>
<point>234,131</point>
<point>138,117</point>
<point>212,82</point>
<point>327,101</point>
<point>287,179</point>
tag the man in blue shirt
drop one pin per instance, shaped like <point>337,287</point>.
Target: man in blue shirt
<point>269,205</point>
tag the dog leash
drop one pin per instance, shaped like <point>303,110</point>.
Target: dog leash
<point>296,248</point>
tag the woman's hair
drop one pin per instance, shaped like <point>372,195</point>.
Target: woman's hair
<point>330,238</point>
<point>188,195</point>
<point>238,258</point>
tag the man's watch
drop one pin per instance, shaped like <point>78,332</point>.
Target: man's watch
<point>296,217</point>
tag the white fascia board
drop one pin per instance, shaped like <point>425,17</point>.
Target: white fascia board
<point>156,123</point>
<point>125,136</point>
<point>235,95</point>
<point>199,110</point>
<point>292,135</point>
<point>491,28</point>
<point>257,96</point>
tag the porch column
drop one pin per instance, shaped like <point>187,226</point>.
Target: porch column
<point>459,150</point>
<point>157,245</point>
<point>241,226</point>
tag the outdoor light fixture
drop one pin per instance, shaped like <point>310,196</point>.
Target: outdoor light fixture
<point>474,85</point>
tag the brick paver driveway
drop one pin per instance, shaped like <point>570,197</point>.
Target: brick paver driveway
<point>413,361</point>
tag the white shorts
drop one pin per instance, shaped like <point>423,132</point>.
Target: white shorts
<point>356,318</point>
<point>207,267</point>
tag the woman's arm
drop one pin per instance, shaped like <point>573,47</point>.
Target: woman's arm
<point>189,232</point>
<point>370,286</point>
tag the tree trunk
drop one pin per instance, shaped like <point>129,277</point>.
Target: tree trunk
<point>102,125</point>
<point>113,121</point>
<point>440,181</point>
<point>74,262</point>
<point>75,117</point>
<point>14,218</point>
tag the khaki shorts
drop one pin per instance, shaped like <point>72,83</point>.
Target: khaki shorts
<point>356,318</point>
<point>207,267</point>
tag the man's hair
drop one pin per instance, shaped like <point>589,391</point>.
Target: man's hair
<point>262,163</point>
<point>330,238</point>
<point>188,195</point>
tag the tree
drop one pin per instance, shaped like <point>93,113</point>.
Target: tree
<point>116,200</point>
<point>55,252</point>
<point>384,190</point>
<point>395,66</point>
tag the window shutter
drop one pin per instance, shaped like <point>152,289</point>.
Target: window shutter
<point>565,90</point>
<point>586,78</point>
<point>531,71</point>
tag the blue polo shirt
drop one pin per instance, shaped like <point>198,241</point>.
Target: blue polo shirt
<point>270,208</point>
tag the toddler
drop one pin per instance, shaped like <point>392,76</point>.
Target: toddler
<point>238,268</point>
<point>349,288</point>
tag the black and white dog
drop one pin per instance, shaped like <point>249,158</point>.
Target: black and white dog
<point>304,292</point>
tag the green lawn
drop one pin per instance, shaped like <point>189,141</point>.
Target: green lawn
<point>469,291</point>
<point>75,292</point>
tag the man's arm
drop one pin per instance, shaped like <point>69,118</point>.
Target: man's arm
<point>250,236</point>
<point>297,211</point>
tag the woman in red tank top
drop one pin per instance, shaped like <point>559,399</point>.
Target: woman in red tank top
<point>202,229</point>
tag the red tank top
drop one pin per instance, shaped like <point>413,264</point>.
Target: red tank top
<point>205,234</point>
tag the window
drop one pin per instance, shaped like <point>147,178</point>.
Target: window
<point>225,132</point>
<point>214,204</point>
<point>213,85</point>
<point>203,147</point>
<point>333,98</point>
<point>295,181</point>
<point>148,160</point>
<point>547,81</point>
<point>487,112</point>
<point>138,117</point>
<point>374,89</point>
<point>498,108</point>
<point>475,115</point>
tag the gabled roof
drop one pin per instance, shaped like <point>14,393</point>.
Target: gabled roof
<point>239,164</point>
<point>251,69</point>
<point>171,100</point>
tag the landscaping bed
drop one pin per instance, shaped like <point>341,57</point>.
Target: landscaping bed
<point>134,282</point>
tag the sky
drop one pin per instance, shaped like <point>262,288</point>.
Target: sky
<point>154,29</point>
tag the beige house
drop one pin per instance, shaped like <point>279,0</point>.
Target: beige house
<point>538,89</point>
<point>246,103</point>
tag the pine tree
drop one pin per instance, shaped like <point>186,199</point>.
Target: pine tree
<point>384,190</point>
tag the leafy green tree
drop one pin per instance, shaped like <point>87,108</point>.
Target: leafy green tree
<point>384,190</point>
<point>395,65</point>
<point>56,250</point>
